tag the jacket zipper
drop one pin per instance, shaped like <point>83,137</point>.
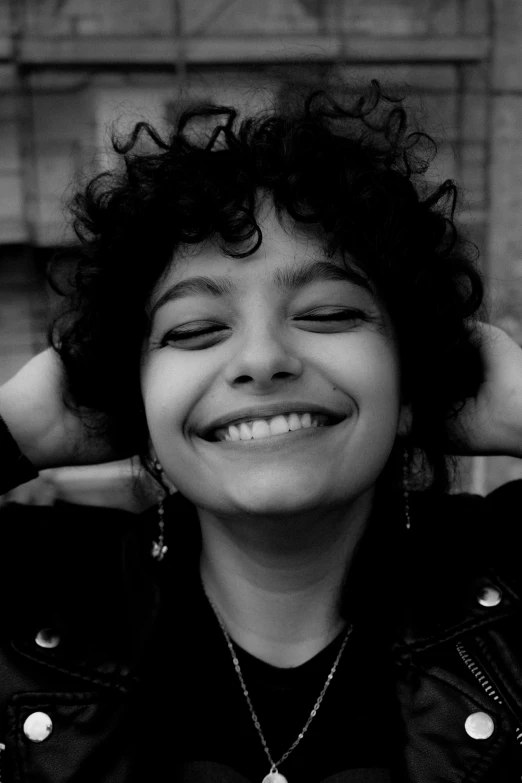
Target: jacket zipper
<point>474,669</point>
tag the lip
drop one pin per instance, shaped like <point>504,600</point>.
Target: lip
<point>268,411</point>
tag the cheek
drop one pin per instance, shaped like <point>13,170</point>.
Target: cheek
<point>166,393</point>
<point>370,372</point>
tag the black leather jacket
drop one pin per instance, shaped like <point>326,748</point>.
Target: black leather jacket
<point>85,608</point>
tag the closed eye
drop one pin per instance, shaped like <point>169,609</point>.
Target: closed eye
<point>339,315</point>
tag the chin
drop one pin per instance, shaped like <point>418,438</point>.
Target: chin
<point>270,500</point>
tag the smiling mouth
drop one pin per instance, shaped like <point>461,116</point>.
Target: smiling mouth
<point>266,429</point>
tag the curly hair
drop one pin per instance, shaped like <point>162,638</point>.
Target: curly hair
<point>356,174</point>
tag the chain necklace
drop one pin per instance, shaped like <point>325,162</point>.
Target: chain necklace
<point>274,776</point>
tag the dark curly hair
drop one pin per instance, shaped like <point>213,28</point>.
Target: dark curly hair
<point>354,173</point>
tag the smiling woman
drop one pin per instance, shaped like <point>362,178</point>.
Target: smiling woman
<point>263,349</point>
<point>280,317</point>
<point>349,180</point>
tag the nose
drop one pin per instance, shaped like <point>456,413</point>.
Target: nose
<point>263,357</point>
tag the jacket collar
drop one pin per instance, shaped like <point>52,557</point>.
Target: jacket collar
<point>423,584</point>
<point>86,576</point>
<point>452,554</point>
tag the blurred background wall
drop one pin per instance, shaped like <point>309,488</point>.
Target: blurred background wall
<point>70,70</point>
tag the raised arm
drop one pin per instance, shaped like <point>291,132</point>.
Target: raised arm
<point>491,423</point>
<point>46,432</point>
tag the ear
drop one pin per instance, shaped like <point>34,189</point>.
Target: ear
<point>405,421</point>
<point>158,471</point>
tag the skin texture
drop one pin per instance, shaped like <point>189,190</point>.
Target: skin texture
<point>278,526</point>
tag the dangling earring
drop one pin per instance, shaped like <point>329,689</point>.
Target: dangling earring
<point>159,548</point>
<point>406,490</point>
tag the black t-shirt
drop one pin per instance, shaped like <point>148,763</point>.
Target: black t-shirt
<point>199,716</point>
<point>350,739</point>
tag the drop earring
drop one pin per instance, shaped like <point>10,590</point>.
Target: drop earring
<point>406,490</point>
<point>159,548</point>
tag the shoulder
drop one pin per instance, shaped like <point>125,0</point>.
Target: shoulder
<point>457,546</point>
<point>82,564</point>
<point>63,533</point>
<point>473,530</point>
<point>507,499</point>
<point>462,512</point>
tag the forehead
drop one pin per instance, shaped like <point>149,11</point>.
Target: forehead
<point>289,257</point>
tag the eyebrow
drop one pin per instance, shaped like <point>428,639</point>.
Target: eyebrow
<point>288,279</point>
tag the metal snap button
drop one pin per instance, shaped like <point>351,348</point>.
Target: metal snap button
<point>479,725</point>
<point>489,596</point>
<point>47,637</point>
<point>38,726</point>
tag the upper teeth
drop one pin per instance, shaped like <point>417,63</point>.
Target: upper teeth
<point>263,428</point>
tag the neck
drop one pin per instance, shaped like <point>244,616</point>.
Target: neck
<point>276,582</point>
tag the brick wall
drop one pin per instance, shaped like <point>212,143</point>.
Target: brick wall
<point>23,309</point>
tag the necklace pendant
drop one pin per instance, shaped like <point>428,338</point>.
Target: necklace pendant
<point>274,777</point>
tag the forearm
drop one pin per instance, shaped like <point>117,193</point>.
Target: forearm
<point>47,432</point>
<point>28,408</point>
<point>491,422</point>
<point>502,399</point>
